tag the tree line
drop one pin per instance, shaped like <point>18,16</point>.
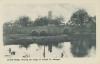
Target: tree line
<point>79,23</point>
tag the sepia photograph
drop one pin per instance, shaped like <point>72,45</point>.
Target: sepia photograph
<point>49,31</point>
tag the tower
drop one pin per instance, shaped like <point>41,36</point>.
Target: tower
<point>50,15</point>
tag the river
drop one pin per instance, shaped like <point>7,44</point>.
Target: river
<point>34,51</point>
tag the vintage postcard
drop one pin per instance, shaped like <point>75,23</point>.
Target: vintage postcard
<point>48,32</point>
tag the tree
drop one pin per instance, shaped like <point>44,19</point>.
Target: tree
<point>82,26</point>
<point>23,21</point>
<point>41,21</point>
<point>92,23</point>
<point>78,21</point>
<point>57,21</point>
<point>45,21</point>
<point>80,17</point>
<point>7,28</point>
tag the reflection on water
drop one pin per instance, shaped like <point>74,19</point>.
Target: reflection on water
<point>92,52</point>
<point>35,51</point>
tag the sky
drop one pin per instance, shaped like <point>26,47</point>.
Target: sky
<point>11,12</point>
